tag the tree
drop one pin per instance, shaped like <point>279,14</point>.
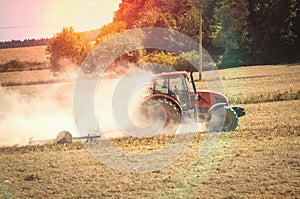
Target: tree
<point>273,31</point>
<point>235,32</point>
<point>67,50</point>
<point>231,32</point>
<point>165,60</point>
<point>129,11</point>
<point>148,13</point>
<point>110,29</point>
<point>115,51</point>
<point>188,22</point>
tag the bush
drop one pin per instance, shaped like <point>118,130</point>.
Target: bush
<point>12,65</point>
<point>158,61</point>
<point>187,61</point>
<point>67,50</point>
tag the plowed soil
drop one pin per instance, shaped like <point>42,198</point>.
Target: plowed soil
<point>259,160</point>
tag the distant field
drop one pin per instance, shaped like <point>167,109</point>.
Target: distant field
<point>254,84</point>
<point>242,85</point>
<point>32,54</point>
<point>29,77</point>
<point>260,83</point>
<point>32,83</point>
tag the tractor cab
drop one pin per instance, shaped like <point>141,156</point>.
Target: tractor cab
<point>174,85</point>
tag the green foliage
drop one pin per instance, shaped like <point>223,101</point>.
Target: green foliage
<point>188,23</point>
<point>189,61</point>
<point>17,65</point>
<point>231,16</point>
<point>23,43</point>
<point>129,12</point>
<point>165,60</point>
<point>274,34</point>
<point>67,50</point>
<point>145,13</point>
<point>235,32</point>
<point>186,61</point>
<point>110,29</point>
<point>122,45</point>
<point>11,65</point>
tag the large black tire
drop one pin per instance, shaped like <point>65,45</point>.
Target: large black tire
<point>223,118</point>
<point>163,109</point>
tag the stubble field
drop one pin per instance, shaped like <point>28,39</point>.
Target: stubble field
<point>260,159</point>
<point>32,54</point>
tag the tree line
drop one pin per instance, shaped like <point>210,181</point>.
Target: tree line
<point>235,32</point>
<point>24,43</point>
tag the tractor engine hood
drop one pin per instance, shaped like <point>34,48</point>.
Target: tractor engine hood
<point>209,98</point>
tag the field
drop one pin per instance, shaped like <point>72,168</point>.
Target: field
<point>260,159</point>
<point>23,59</point>
<point>32,54</point>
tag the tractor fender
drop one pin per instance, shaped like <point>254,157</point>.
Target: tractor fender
<point>164,96</point>
<point>214,107</point>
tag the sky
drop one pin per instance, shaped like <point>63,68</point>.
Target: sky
<point>29,19</point>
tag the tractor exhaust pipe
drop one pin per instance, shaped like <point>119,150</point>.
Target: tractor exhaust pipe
<point>196,112</point>
<point>193,82</point>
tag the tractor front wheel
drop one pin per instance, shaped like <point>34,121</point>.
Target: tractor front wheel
<point>223,119</point>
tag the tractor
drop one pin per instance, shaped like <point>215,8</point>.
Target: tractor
<point>181,104</point>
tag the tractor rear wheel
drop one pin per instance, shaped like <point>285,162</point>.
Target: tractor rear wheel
<point>223,119</point>
<point>163,110</point>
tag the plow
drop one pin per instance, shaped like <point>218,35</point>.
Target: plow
<point>65,137</point>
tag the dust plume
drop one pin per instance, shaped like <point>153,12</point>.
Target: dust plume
<point>116,101</point>
<point>38,117</point>
<point>46,112</point>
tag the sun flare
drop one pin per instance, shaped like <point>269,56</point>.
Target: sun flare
<point>48,17</point>
<point>84,14</point>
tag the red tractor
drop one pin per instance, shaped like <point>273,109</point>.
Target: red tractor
<point>181,104</point>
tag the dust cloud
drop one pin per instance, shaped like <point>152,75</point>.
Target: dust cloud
<point>117,100</point>
<point>48,111</point>
<point>41,115</point>
<point>38,117</point>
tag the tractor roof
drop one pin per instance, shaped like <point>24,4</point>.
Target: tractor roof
<point>171,74</point>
